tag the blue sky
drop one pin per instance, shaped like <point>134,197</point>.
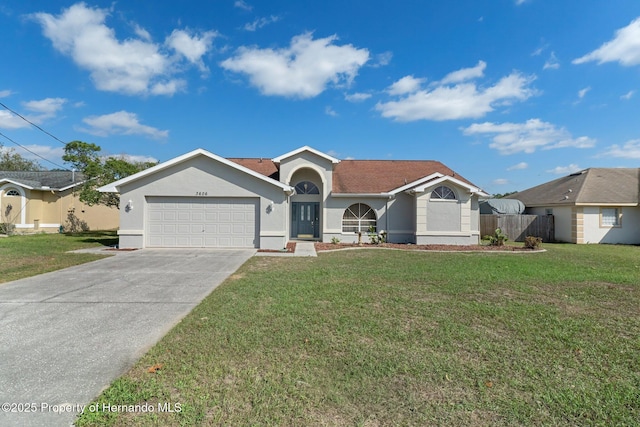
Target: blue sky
<point>509,93</point>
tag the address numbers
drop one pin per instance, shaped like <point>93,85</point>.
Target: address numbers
<point>201,193</point>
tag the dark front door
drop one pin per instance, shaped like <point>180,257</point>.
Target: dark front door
<point>306,220</point>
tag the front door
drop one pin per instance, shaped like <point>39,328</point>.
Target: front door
<point>306,220</point>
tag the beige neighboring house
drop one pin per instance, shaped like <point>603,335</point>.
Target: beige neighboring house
<point>200,199</point>
<point>595,205</point>
<point>42,201</point>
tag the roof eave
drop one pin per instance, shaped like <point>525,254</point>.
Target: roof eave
<point>371,195</point>
<point>19,184</point>
<point>114,187</point>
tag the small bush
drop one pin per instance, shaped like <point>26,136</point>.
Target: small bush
<point>335,240</point>
<point>532,242</point>
<point>498,238</point>
<point>74,224</point>
<point>7,228</point>
<point>376,238</point>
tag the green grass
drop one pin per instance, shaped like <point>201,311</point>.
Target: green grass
<point>29,255</point>
<point>377,337</point>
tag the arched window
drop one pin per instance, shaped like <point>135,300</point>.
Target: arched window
<point>358,217</point>
<point>307,187</point>
<point>12,192</point>
<point>443,193</point>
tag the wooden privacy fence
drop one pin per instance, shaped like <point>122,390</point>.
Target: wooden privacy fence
<point>517,227</point>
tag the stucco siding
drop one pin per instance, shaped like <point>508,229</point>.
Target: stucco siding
<point>203,177</point>
<point>46,211</point>
<point>335,208</point>
<point>447,221</point>
<point>627,233</point>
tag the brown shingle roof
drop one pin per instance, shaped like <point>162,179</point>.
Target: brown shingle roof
<point>590,186</point>
<point>381,176</point>
<point>263,166</point>
<point>364,176</point>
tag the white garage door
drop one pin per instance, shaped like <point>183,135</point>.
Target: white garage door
<point>202,222</point>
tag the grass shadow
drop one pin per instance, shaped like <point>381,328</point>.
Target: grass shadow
<point>104,238</point>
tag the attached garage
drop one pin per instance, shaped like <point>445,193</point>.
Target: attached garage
<point>200,200</point>
<point>202,222</point>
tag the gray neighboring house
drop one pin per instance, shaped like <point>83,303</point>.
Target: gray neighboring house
<point>200,199</point>
<point>595,205</point>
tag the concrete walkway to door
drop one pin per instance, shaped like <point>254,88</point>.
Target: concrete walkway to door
<point>66,335</point>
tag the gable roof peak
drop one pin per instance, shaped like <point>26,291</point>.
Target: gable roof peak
<point>308,149</point>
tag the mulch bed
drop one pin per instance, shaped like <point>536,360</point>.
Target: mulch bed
<point>449,248</point>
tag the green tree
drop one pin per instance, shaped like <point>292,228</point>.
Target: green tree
<point>98,170</point>
<point>12,161</point>
<point>500,196</point>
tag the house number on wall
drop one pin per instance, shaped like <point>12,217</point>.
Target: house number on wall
<point>201,193</point>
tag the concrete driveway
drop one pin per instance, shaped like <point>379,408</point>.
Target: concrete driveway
<point>66,335</point>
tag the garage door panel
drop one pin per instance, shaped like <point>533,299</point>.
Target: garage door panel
<point>201,222</point>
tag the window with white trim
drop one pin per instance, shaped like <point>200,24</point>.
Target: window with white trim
<point>443,193</point>
<point>358,217</point>
<point>12,192</point>
<point>610,217</point>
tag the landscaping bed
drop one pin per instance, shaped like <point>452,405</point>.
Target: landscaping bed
<point>406,246</point>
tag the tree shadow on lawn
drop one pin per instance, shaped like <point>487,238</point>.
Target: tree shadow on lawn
<point>105,238</point>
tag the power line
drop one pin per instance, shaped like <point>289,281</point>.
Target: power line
<point>35,154</point>
<point>33,124</point>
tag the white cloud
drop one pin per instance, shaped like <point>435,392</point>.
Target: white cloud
<point>465,74</point>
<point>623,48</point>
<point>134,158</point>
<point>53,154</point>
<point>539,50</point>
<point>45,108</point>
<point>39,111</point>
<point>303,70</point>
<point>141,32</point>
<point>551,63</point>
<point>583,92</point>
<point>261,22</point>
<point>565,170</point>
<point>630,150</point>
<point>11,121</point>
<point>382,59</point>
<point>5,93</point>
<point>132,66</point>
<point>519,2</point>
<point>510,138</point>
<point>330,112</point>
<point>407,84</point>
<point>628,95</point>
<point>519,166</point>
<point>121,123</point>
<point>500,181</point>
<point>451,102</point>
<point>357,97</point>
<point>192,46</point>
<point>240,4</point>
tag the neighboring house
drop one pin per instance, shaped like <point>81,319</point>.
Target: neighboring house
<point>42,201</point>
<point>596,205</point>
<point>202,200</point>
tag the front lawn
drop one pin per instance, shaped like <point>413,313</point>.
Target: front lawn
<point>376,337</point>
<point>29,255</point>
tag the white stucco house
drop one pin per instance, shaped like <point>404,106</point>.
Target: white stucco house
<point>595,205</point>
<point>200,199</point>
